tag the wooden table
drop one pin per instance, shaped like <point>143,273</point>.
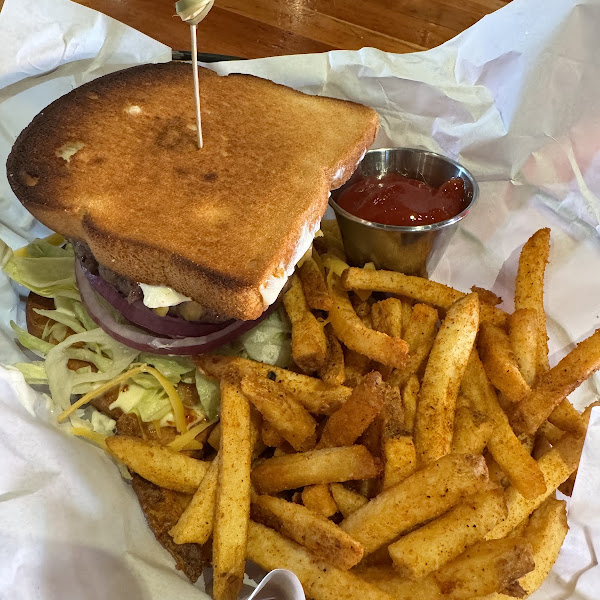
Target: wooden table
<point>257,28</point>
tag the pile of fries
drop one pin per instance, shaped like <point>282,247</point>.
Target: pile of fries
<point>412,453</point>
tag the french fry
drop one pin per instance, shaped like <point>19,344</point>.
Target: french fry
<point>419,334</point>
<point>416,288</point>
<point>441,382</point>
<point>318,499</point>
<point>424,495</point>
<point>329,465</point>
<point>387,316</point>
<point>346,500</point>
<point>232,508</point>
<point>159,464</point>
<point>565,417</point>
<point>314,285</point>
<point>317,534</point>
<point>426,549</point>
<point>556,466</point>
<point>320,580</point>
<point>281,409</point>
<point>487,567</point>
<point>309,346</point>
<point>486,296</point>
<point>483,569</point>
<point>406,313</point>
<point>317,397</point>
<point>514,460</point>
<point>398,449</point>
<point>347,424</point>
<point>410,397</point>
<point>545,531</point>
<point>270,436</point>
<point>529,289</point>
<point>500,363</point>
<point>356,366</point>
<point>399,460</point>
<point>523,334</point>
<point>472,431</point>
<point>352,333</point>
<point>556,384</point>
<point>332,371</point>
<point>196,523</point>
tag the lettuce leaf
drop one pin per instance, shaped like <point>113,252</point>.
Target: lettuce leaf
<point>45,269</point>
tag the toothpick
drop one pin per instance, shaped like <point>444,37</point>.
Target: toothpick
<point>193,33</point>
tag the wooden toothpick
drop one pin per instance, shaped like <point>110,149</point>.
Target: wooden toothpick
<point>194,32</point>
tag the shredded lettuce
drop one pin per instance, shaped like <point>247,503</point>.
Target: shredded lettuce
<point>209,392</point>
<point>150,402</point>
<point>45,269</point>
<point>35,344</point>
<point>269,341</point>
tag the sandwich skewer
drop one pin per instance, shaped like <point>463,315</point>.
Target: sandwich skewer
<point>192,12</point>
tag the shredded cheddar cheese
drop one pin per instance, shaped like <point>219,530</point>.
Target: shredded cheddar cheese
<point>182,441</point>
<point>97,438</point>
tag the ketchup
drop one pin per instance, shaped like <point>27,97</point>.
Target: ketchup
<point>397,200</point>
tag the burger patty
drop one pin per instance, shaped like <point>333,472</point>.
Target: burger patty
<point>130,289</point>
<point>190,311</point>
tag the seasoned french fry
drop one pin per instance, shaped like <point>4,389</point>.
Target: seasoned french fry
<point>328,465</point>
<point>426,549</point>
<point>523,332</point>
<point>318,499</point>
<point>422,496</point>
<point>314,286</point>
<point>410,397</point>
<point>270,436</point>
<point>545,532</point>
<point>483,569</point>
<point>441,382</point>
<point>196,523</point>
<point>472,430</point>
<point>514,460</point>
<point>309,346</point>
<point>501,363</point>
<point>565,417</point>
<point>346,500</point>
<point>399,460</point>
<point>387,316</point>
<point>232,508</point>
<point>556,384</point>
<point>332,371</point>
<point>347,424</point>
<point>352,333</point>
<point>320,580</point>
<point>416,288</point>
<point>281,409</point>
<point>529,289</point>
<point>317,397</point>
<point>486,296</point>
<point>159,464</point>
<point>556,466</point>
<point>419,335</point>
<point>356,366</point>
<point>406,313</point>
<point>319,535</point>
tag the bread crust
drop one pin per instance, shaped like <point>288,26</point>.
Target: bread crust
<point>114,164</point>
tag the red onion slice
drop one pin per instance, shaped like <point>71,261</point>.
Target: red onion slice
<point>146,342</point>
<point>139,314</point>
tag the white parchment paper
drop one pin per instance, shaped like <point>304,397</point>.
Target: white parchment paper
<point>516,98</point>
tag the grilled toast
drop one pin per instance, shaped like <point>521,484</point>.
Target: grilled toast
<point>114,164</point>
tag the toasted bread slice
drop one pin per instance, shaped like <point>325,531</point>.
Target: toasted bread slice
<point>115,164</point>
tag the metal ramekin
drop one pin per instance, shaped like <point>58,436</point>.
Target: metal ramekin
<point>411,250</point>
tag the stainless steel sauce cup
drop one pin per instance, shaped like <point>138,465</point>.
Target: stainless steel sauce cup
<point>411,250</point>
